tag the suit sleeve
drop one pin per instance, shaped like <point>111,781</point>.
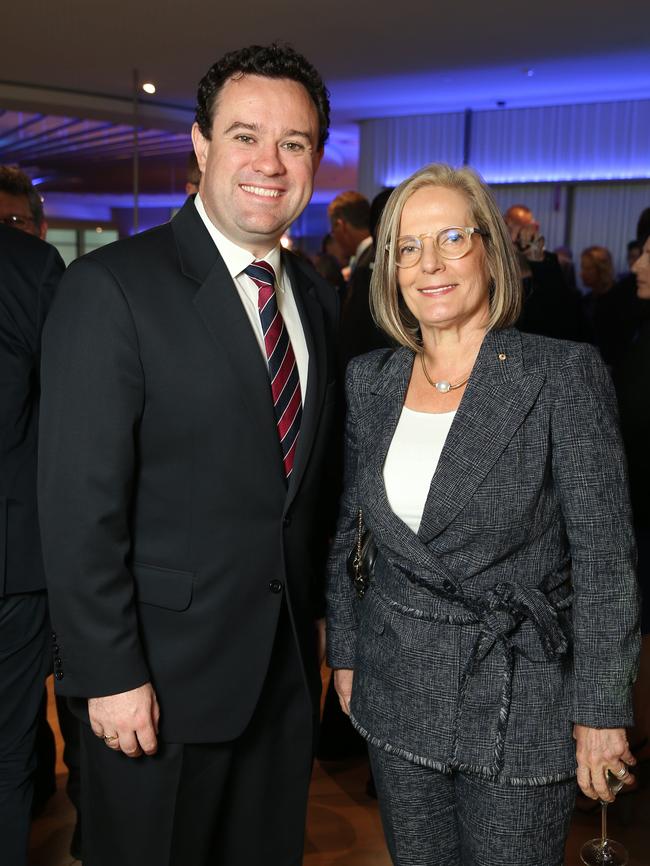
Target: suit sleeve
<point>590,474</point>
<point>20,341</point>
<point>341,604</point>
<point>92,400</point>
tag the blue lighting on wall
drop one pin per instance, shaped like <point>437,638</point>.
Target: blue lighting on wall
<point>540,174</point>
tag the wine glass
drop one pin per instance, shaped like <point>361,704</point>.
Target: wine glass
<point>605,851</point>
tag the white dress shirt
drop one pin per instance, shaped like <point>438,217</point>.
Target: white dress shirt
<point>363,246</point>
<point>236,259</point>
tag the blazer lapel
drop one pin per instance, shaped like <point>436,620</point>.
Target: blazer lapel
<point>497,399</point>
<point>496,402</point>
<point>378,418</point>
<point>221,310</point>
<point>311,317</point>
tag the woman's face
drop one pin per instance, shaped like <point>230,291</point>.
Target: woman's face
<point>443,293</point>
<point>641,268</point>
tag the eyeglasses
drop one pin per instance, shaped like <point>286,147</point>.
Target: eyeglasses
<point>17,222</point>
<point>450,243</point>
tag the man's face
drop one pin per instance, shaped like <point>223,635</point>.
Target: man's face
<point>258,169</point>
<point>17,206</point>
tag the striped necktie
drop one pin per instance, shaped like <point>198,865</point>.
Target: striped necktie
<point>283,370</point>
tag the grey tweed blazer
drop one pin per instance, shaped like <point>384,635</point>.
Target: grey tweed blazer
<point>513,612</point>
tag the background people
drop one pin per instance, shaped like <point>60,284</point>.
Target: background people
<point>21,207</point>
<point>187,411</point>
<point>630,378</point>
<point>550,307</point>
<point>29,272</point>
<point>480,458</point>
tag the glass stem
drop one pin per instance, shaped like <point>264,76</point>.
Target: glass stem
<point>603,823</point>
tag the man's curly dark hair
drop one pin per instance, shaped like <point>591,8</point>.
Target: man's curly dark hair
<point>269,61</point>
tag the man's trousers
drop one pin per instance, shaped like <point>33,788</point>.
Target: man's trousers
<point>238,803</point>
<point>24,665</point>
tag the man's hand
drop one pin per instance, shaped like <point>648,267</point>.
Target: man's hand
<point>343,684</point>
<point>599,750</point>
<point>128,722</point>
<point>321,641</point>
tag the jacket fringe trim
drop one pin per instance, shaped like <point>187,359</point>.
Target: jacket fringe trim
<point>457,766</point>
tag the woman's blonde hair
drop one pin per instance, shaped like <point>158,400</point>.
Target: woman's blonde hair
<point>386,303</point>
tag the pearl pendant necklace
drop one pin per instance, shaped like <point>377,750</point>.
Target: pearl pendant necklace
<point>443,387</point>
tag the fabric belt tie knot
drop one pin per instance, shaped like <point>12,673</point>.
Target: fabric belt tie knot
<point>281,362</point>
<point>504,609</point>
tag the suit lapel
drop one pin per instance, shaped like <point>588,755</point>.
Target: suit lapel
<point>378,418</point>
<point>497,399</point>
<point>223,314</point>
<point>311,317</point>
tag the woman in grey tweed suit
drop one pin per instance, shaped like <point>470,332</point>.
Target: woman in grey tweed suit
<point>492,657</point>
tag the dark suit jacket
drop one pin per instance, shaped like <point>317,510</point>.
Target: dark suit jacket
<point>513,612</point>
<point>358,332</point>
<point>551,308</point>
<point>29,272</point>
<point>169,534</point>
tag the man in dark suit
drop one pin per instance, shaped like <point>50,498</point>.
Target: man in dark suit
<point>187,406</point>
<point>353,220</point>
<point>29,272</point>
<point>551,308</point>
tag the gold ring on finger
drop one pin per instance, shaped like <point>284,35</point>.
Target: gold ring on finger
<point>108,739</point>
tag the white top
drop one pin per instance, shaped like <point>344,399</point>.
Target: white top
<point>236,259</point>
<point>411,461</point>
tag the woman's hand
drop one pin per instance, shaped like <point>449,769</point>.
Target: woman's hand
<point>343,685</point>
<point>599,750</point>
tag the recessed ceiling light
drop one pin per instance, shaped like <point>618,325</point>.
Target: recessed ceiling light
<point>529,72</point>
<point>148,87</point>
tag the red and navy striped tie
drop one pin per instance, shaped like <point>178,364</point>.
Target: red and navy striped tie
<point>283,370</point>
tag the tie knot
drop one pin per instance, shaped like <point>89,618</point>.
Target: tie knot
<point>261,272</point>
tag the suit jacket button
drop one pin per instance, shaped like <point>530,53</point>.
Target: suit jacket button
<point>449,586</point>
<point>59,675</point>
<point>56,649</point>
<point>286,520</point>
<point>53,635</point>
<point>275,586</point>
<point>58,662</point>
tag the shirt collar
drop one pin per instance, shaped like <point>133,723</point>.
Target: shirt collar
<point>363,246</point>
<point>236,258</point>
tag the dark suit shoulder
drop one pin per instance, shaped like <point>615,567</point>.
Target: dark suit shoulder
<point>26,256</point>
<point>573,372</point>
<point>363,371</point>
<point>30,270</point>
<point>546,354</point>
<point>130,252</point>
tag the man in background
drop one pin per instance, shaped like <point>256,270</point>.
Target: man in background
<point>193,175</point>
<point>349,215</point>
<point>21,206</point>
<point>550,307</point>
<point>358,332</point>
<point>29,272</point>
